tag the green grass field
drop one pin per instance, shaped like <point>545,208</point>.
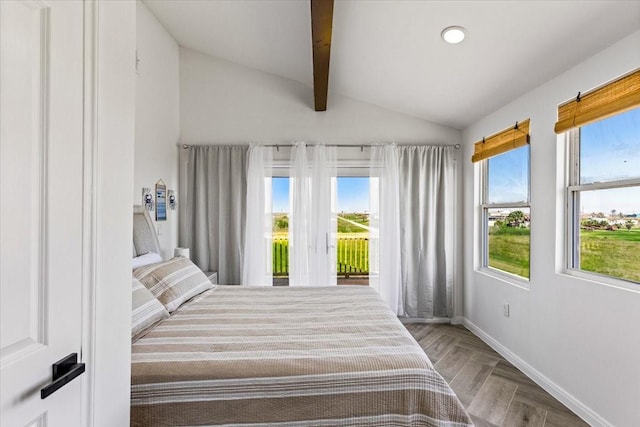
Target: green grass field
<point>360,218</point>
<point>347,227</point>
<point>509,250</point>
<point>613,253</point>
<point>281,223</point>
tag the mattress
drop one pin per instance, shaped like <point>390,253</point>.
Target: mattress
<point>287,356</point>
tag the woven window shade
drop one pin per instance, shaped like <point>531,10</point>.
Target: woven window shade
<point>613,98</point>
<point>501,142</point>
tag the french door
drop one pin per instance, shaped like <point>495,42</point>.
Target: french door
<point>340,249</point>
<point>312,223</point>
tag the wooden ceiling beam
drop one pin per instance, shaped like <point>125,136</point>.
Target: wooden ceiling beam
<point>321,25</point>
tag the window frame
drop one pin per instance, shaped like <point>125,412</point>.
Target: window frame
<point>484,217</point>
<point>573,188</point>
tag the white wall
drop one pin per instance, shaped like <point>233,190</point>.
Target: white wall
<point>109,340</point>
<point>580,338</point>
<point>225,103</point>
<point>157,118</point>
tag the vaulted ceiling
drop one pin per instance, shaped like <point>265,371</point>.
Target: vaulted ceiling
<point>390,53</point>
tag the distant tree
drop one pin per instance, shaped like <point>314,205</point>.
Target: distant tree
<point>515,218</point>
<point>613,213</point>
<point>599,215</point>
<point>282,223</point>
<point>628,223</point>
<point>498,224</point>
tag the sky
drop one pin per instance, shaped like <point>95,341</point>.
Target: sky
<point>509,176</point>
<point>610,150</point>
<point>617,158</point>
<point>280,194</point>
<point>353,194</point>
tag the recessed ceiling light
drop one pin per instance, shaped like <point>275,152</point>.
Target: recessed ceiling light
<point>454,34</point>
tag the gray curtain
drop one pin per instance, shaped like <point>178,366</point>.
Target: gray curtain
<point>212,203</point>
<point>427,195</point>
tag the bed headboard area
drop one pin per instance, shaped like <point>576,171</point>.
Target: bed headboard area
<point>145,239</point>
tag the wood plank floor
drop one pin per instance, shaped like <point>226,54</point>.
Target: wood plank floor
<point>494,392</point>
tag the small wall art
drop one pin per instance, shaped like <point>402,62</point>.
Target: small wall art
<point>171,198</point>
<point>161,201</point>
<point>147,199</point>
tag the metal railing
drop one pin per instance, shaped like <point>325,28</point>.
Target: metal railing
<point>352,256</point>
<point>280,256</point>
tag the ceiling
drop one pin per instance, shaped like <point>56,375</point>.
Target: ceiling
<point>389,53</point>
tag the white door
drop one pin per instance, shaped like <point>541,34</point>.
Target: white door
<point>41,206</point>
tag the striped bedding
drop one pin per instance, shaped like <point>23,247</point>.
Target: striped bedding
<point>281,356</point>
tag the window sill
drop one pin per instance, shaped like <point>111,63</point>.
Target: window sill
<point>602,280</point>
<point>508,278</point>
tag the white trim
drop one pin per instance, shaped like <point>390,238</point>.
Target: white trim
<point>506,277</point>
<point>606,185</point>
<point>457,320</point>
<point>579,408</point>
<point>603,279</point>
<point>506,205</point>
<point>435,320</point>
<point>89,215</point>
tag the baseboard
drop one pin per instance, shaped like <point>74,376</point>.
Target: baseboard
<point>552,388</point>
<point>457,320</point>
<point>420,320</point>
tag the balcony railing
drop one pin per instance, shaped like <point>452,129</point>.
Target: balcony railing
<point>352,256</point>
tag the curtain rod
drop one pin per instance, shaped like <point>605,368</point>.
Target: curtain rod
<point>362,146</point>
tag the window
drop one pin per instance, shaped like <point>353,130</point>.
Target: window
<point>604,197</point>
<point>506,212</point>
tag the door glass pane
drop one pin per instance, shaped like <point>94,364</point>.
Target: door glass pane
<point>610,148</point>
<point>509,240</point>
<point>280,209</point>
<point>610,232</point>
<point>508,177</point>
<point>353,230</point>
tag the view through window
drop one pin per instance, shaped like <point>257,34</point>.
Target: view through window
<point>353,229</point>
<point>605,197</point>
<point>507,213</point>
<point>352,252</point>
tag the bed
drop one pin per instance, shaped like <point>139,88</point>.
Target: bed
<point>280,356</point>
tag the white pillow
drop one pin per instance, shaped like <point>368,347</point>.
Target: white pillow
<point>146,259</point>
<point>173,281</point>
<point>146,310</point>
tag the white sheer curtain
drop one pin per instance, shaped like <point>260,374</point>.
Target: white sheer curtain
<point>323,226</point>
<point>300,215</point>
<point>258,243</point>
<point>312,225</point>
<point>384,224</point>
<point>427,195</point>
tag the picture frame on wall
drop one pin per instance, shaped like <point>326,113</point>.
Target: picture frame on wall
<point>161,201</point>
